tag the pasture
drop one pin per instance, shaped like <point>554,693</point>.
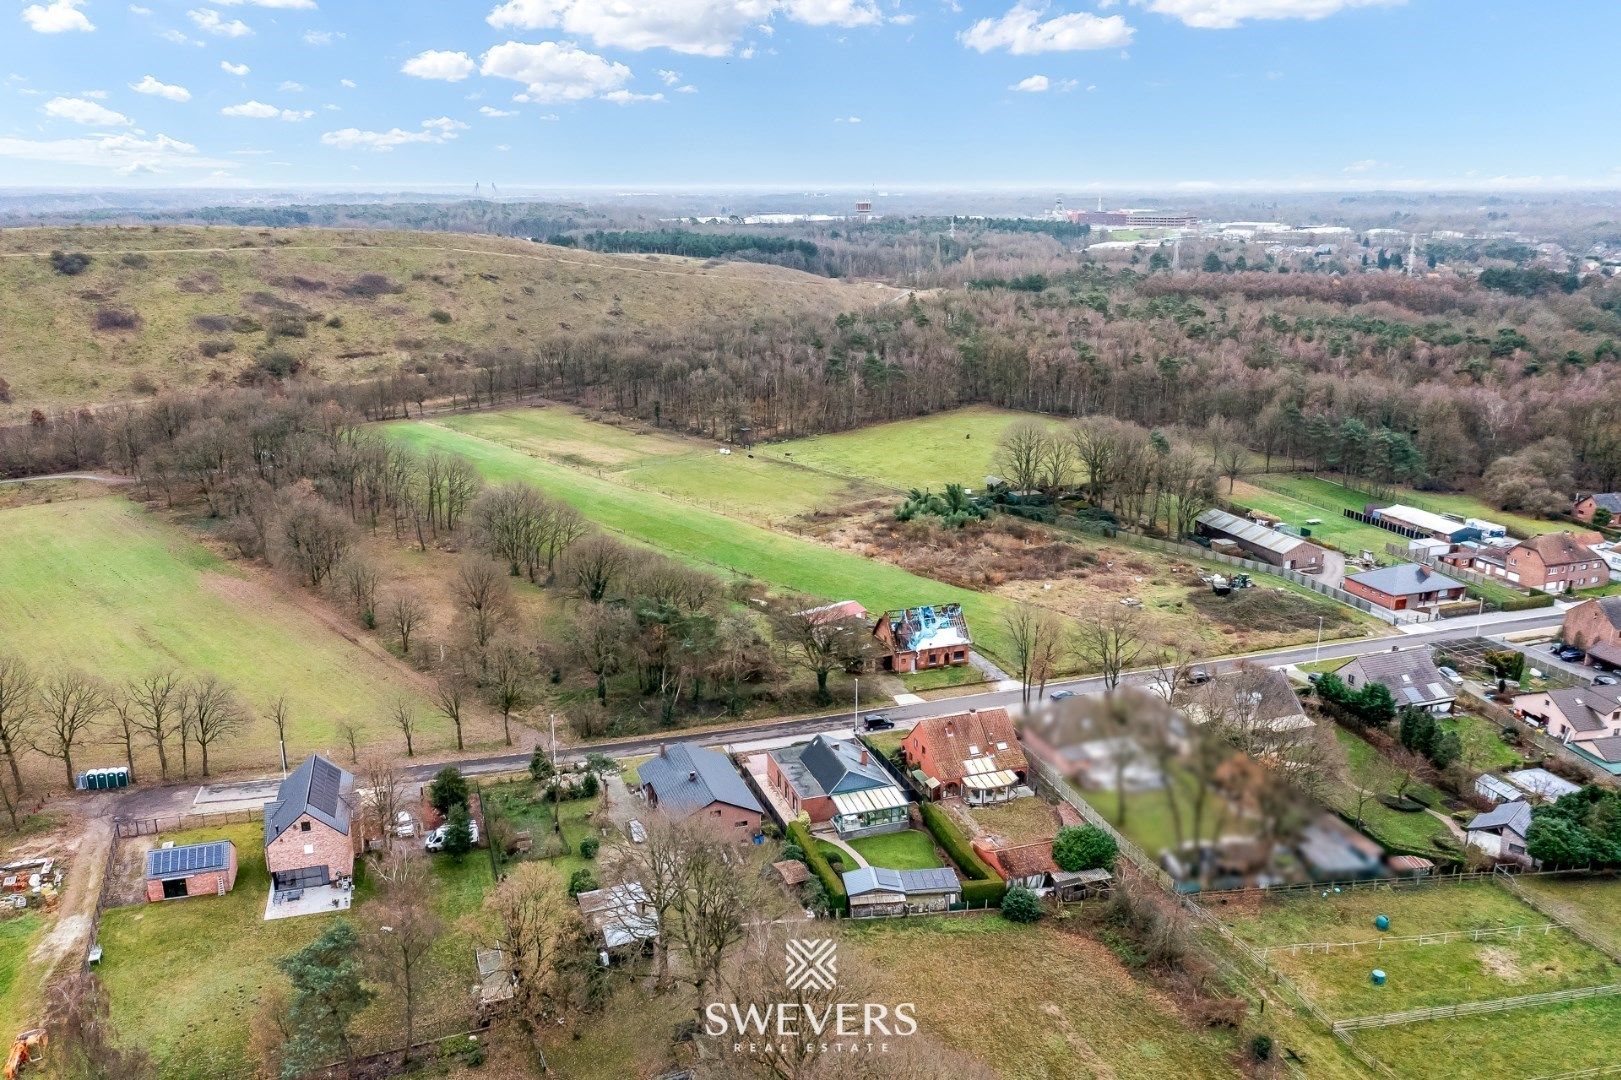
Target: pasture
<point>926,452</point>
<point>20,989</point>
<point>104,586</point>
<point>709,538</point>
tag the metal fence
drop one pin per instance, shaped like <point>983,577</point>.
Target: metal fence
<point>1473,1008</point>
<point>1193,551</point>
<point>127,828</point>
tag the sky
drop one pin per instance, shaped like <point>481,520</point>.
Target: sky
<point>687,94</point>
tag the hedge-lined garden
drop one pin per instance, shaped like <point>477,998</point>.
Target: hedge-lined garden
<point>984,885</point>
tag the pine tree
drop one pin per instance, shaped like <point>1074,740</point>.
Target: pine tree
<point>327,996</point>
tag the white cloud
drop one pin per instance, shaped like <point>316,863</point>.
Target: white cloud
<point>251,153</point>
<point>503,147</point>
<point>259,110</point>
<point>1365,165</point>
<point>210,21</point>
<point>347,84</point>
<point>57,17</point>
<point>321,37</point>
<point>291,87</point>
<point>94,95</point>
<point>490,110</point>
<point>628,97</point>
<point>1226,14</point>
<point>670,77</point>
<point>125,154</point>
<point>1023,31</point>
<point>233,69</point>
<point>440,130</point>
<point>150,85</point>
<point>687,89</point>
<point>699,27</point>
<point>307,5</point>
<point>440,64</point>
<point>83,111</point>
<point>171,34</point>
<point>847,119</point>
<point>1035,84</point>
<point>555,71</point>
<point>137,9</point>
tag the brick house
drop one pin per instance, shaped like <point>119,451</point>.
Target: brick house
<point>1028,865</point>
<point>837,780</point>
<point>1555,562</point>
<point>205,869</point>
<point>919,638</point>
<point>1595,625</point>
<point>1260,542</point>
<point>1586,719</point>
<point>1586,506</point>
<point>973,755</point>
<point>687,781</point>
<point>1411,677</point>
<point>1404,587</point>
<point>308,839</point>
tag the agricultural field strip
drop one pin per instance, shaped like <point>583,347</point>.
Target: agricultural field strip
<point>1414,939</point>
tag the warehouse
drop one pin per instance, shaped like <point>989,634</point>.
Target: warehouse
<point>1259,542</point>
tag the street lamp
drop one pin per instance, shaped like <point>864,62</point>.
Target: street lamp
<point>857,681</point>
<point>1318,653</point>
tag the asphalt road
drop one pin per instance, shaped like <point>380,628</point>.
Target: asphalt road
<point>252,792</point>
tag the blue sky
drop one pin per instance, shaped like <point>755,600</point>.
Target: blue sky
<point>630,94</point>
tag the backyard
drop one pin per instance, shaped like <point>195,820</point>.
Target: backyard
<point>1414,832</point>
<point>909,850</point>
<point>19,981</point>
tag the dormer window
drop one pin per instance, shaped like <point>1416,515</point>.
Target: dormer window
<point>973,750</point>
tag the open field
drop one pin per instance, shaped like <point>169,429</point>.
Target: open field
<point>909,850</point>
<point>102,585</point>
<point>246,284</point>
<point>1549,1040</point>
<point>202,1020</point>
<point>1083,1016</point>
<point>708,538</point>
<point>19,981</point>
<point>926,452</point>
<point>1420,975</point>
<point>1588,903</point>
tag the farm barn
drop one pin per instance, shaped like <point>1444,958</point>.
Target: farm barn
<point>206,869</point>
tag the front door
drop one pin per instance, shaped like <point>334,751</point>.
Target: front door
<point>174,888</point>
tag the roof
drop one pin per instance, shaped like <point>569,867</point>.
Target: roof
<point>1410,863</point>
<point>1609,500</point>
<point>829,766</point>
<point>496,980</point>
<point>1274,701</point>
<point>620,914</point>
<point>888,797</point>
<point>1027,859</point>
<point>1607,748</point>
<point>929,627</point>
<point>1421,519</point>
<point>839,612</point>
<point>1409,674</point>
<point>954,741</point>
<point>1405,579</point>
<point>793,871</point>
<point>1607,651</point>
<point>1510,815</point>
<point>688,777</point>
<point>1500,789</point>
<point>875,879</point>
<point>1608,606</point>
<point>317,788</point>
<point>189,859</point>
<point>1542,782</point>
<point>1558,548</point>
<point>1333,849</point>
<point>1250,532</point>
<point>1584,708</point>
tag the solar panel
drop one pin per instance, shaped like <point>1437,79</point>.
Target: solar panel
<point>325,780</point>
<point>191,859</point>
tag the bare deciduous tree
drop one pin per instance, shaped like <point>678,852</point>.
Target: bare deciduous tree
<point>402,928</point>
<point>595,564</point>
<point>820,639</point>
<point>404,716</point>
<point>1109,638</point>
<point>404,612</point>
<point>1036,636</point>
<point>19,709</point>
<point>601,642</point>
<point>280,716</point>
<point>485,595</point>
<point>1021,453</point>
<point>509,681</point>
<point>532,921</point>
<point>71,704</point>
<point>357,578</point>
<point>349,732</point>
<point>213,714</point>
<point>450,697</point>
<point>159,699</point>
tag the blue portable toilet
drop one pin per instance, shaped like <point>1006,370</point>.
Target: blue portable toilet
<point>1377,977</point>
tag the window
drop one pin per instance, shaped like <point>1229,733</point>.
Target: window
<point>303,826</point>
<point>743,824</point>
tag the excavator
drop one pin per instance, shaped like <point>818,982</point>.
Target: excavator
<point>26,1047</point>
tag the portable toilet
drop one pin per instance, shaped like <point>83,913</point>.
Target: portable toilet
<point>1377,977</point>
<point>120,776</point>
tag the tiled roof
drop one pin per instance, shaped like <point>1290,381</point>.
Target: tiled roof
<point>1609,500</point>
<point>1585,708</point>
<point>1408,674</point>
<point>1609,606</point>
<point>828,766</point>
<point>1027,859</point>
<point>1513,815</point>
<point>317,788</point>
<point>1558,548</point>
<point>953,741</point>
<point>839,612</point>
<point>687,777</point>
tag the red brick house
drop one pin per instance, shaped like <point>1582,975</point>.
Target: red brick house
<point>205,869</point>
<point>1405,587</point>
<point>1556,562</point>
<point>919,638</point>
<point>973,755</point>
<point>1596,627</point>
<point>837,780</point>
<point>685,780</point>
<point>1588,505</point>
<point>308,839</point>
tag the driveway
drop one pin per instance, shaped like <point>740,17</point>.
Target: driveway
<point>1333,571</point>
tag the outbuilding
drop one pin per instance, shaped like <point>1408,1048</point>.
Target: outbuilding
<point>205,869</point>
<point>1258,541</point>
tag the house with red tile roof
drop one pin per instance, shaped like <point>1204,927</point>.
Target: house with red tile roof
<point>973,755</point>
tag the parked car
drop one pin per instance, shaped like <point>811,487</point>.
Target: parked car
<point>1604,680</point>
<point>877,722</point>
<point>1060,695</point>
<point>435,840</point>
<point>1198,676</point>
<point>1450,676</point>
<point>1571,654</point>
<point>638,832</point>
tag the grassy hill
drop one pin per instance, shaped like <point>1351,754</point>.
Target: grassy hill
<point>162,307</point>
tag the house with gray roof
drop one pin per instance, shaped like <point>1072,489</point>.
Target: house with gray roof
<point>685,780</point>
<point>1409,675</point>
<point>1500,832</point>
<point>309,841</point>
<point>838,781</point>
<point>877,890</point>
<point>1404,587</point>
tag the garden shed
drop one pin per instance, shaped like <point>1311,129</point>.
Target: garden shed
<point>205,869</point>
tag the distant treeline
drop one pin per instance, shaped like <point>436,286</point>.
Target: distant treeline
<point>470,216</point>
<point>696,245</point>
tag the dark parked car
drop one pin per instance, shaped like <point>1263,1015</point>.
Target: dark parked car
<point>1571,654</point>
<point>1604,680</point>
<point>877,722</point>
<point>1198,676</point>
<point>1060,695</point>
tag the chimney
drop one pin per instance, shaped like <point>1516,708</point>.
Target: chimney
<point>664,750</point>
<point>863,754</point>
<point>693,775</point>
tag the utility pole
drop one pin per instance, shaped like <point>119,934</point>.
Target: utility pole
<point>1318,654</point>
<point>858,703</point>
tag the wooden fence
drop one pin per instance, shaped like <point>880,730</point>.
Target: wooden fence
<point>1474,1008</point>
<point>1381,943</point>
<point>127,828</point>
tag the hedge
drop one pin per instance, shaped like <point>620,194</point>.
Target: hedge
<point>837,899</point>
<point>984,884</point>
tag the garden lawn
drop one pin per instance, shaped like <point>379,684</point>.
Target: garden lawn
<point>1085,1015</point>
<point>909,850</point>
<point>943,678</point>
<point>1148,821</point>
<point>20,991</point>
<point>957,447</point>
<point>214,959</point>
<point>1543,1041</point>
<point>707,538</point>
<point>1414,832</point>
<point>522,807</point>
<point>104,586</point>
<point>1482,741</point>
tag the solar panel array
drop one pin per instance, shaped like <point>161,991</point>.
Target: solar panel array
<point>326,781</point>
<point>191,859</point>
